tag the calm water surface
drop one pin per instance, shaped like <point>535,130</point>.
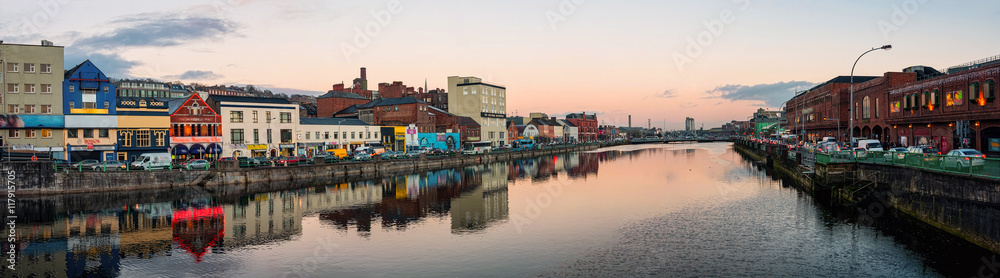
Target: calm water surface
<point>649,210</point>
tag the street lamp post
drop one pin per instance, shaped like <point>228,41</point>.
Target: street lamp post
<point>850,107</point>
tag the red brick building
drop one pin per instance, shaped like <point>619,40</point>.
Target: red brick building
<point>437,97</point>
<point>333,101</point>
<point>394,90</point>
<point>949,111</point>
<point>823,109</point>
<point>398,112</point>
<point>586,124</point>
<point>469,129</point>
<point>872,104</point>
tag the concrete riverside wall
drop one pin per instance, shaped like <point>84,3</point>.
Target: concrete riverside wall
<point>965,206</point>
<point>39,178</point>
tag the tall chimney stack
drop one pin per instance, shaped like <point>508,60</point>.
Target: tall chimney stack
<point>364,75</point>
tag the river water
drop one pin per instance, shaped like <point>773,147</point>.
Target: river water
<point>642,210</point>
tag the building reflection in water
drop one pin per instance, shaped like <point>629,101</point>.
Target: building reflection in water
<point>94,242</point>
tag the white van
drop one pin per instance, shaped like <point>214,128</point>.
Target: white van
<point>870,145</point>
<point>151,161</point>
<point>829,139</point>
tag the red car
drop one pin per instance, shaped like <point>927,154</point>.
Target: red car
<point>287,159</point>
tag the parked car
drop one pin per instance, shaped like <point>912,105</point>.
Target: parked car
<point>195,164</point>
<point>362,156</point>
<point>258,161</point>
<point>896,153</point>
<point>962,159</point>
<point>923,149</point>
<point>286,159</point>
<point>85,164</point>
<point>109,165</point>
<point>61,163</point>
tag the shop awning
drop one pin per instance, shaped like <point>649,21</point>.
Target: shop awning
<point>197,149</point>
<point>214,149</point>
<point>180,149</point>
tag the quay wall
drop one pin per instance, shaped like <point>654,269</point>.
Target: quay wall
<point>963,205</point>
<point>38,178</point>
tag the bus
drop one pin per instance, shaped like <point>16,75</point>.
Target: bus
<point>478,147</point>
<point>524,144</point>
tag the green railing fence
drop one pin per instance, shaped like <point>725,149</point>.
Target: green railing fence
<point>976,166</point>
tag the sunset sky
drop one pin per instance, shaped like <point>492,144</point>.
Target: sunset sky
<point>611,57</point>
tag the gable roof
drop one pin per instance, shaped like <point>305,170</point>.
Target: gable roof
<point>339,94</point>
<point>353,109</point>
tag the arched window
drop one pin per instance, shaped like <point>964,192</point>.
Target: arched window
<point>866,108</point>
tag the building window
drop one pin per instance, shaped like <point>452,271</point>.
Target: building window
<point>72,133</point>
<point>12,67</point>
<point>142,138</point>
<point>107,105</point>
<point>465,91</point>
<point>235,116</point>
<point>30,109</point>
<point>46,68</point>
<point>236,136</point>
<point>286,117</point>
<point>326,135</point>
<point>46,88</point>
<point>71,88</point>
<point>307,135</point>
<point>103,133</point>
<point>335,135</point>
<point>317,135</point>
<point>88,133</point>
<point>13,109</point>
<point>876,108</point>
<point>46,109</point>
<point>286,135</point>
<point>267,116</point>
<point>13,88</point>
<point>865,108</point>
<point>105,89</point>
<point>256,136</point>
<point>254,116</point>
<point>352,134</point>
<point>13,133</point>
<point>344,135</point>
<point>989,89</point>
<point>46,133</point>
<point>29,133</point>
<point>395,108</point>
<point>29,88</point>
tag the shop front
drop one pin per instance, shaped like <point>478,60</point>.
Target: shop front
<point>90,151</point>
<point>287,149</point>
<point>257,150</point>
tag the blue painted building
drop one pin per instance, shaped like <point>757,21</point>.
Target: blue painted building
<point>89,99</point>
<point>444,141</point>
<point>143,127</point>
<point>86,90</point>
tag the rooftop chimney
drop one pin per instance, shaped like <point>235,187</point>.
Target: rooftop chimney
<point>364,75</point>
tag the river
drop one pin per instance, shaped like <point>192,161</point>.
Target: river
<point>673,210</point>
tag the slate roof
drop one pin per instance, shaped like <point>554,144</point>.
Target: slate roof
<point>174,104</point>
<point>331,121</point>
<point>390,101</point>
<point>467,121</point>
<point>353,109</point>
<point>69,73</point>
<point>339,94</point>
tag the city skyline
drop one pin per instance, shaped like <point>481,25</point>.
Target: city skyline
<point>647,59</point>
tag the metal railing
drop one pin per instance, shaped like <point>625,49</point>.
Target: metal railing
<point>975,166</point>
